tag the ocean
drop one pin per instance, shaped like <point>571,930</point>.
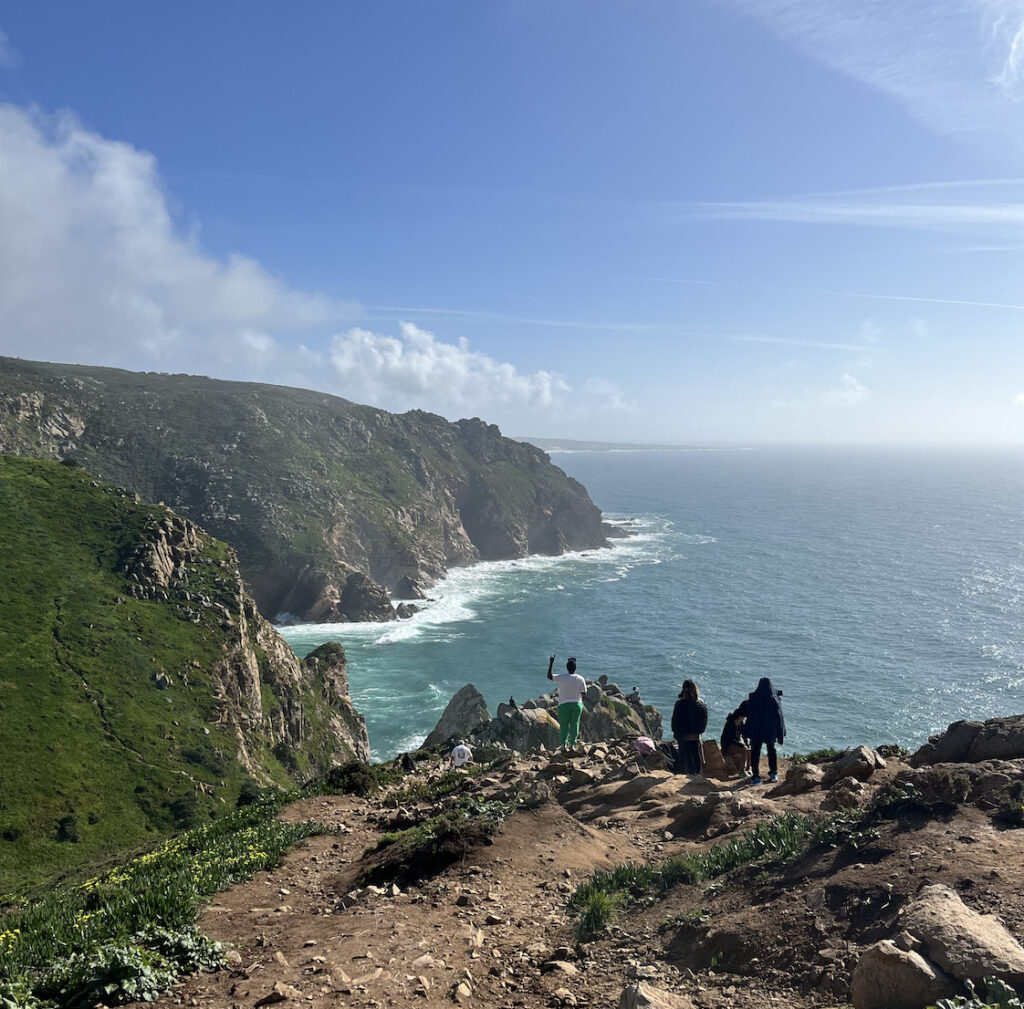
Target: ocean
<point>880,589</point>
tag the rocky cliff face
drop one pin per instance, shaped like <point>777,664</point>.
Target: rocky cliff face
<point>327,503</point>
<point>262,690</point>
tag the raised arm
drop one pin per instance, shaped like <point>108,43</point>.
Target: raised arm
<point>551,663</point>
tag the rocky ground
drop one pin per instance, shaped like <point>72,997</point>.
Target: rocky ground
<point>923,868</point>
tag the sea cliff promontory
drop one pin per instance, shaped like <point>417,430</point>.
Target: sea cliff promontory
<point>331,506</point>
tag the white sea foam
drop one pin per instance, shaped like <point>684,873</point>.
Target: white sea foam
<point>456,597</point>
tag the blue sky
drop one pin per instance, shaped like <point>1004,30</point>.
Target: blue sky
<point>709,221</point>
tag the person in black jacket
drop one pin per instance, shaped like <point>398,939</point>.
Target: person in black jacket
<point>689,720</point>
<point>734,748</point>
<point>765,726</point>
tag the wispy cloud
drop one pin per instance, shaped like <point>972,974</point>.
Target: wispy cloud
<point>789,341</point>
<point>9,58</point>
<point>849,393</point>
<point>980,217</point>
<point>956,65</point>
<point>930,301</point>
<point>390,311</point>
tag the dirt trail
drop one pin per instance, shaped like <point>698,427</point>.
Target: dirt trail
<point>491,930</point>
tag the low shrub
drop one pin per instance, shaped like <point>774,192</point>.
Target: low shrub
<point>998,995</point>
<point>416,853</point>
<point>816,756</point>
<point>354,778</point>
<point>892,751</point>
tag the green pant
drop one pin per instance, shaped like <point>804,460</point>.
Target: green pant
<point>569,722</point>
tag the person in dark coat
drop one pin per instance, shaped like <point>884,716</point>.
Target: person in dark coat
<point>689,720</point>
<point>734,748</point>
<point>766,726</point>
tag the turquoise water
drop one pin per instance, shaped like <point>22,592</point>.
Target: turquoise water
<point>881,590</point>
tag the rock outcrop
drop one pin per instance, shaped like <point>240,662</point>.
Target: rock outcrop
<point>328,504</point>
<point>973,742</point>
<point>465,713</point>
<point>607,714</point>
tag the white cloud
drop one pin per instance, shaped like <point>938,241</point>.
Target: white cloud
<point>95,270</point>
<point>1019,399</point>
<point>850,393</point>
<point>93,267</point>
<point>416,369</point>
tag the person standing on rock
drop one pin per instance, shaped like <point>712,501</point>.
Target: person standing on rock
<point>766,726</point>
<point>571,688</point>
<point>689,720</point>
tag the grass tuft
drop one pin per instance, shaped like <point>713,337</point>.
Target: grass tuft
<point>596,913</point>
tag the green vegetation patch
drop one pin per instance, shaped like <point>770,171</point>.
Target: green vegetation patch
<point>129,934</point>
<point>422,851</point>
<point>822,756</point>
<point>770,842</point>
<point>355,778</point>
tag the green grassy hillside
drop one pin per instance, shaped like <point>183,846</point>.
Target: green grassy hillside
<point>114,722</point>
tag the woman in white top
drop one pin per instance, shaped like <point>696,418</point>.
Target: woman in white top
<point>571,688</point>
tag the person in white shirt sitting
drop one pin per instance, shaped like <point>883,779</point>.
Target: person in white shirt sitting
<point>571,688</point>
<point>461,755</point>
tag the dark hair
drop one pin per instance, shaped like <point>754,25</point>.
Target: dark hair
<point>690,691</point>
<point>570,664</point>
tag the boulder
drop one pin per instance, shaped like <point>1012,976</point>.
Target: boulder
<point>713,765</point>
<point>860,763</point>
<point>964,943</point>
<point>799,779</point>
<point>363,599</point>
<point>847,793</point>
<point>592,697</point>
<point>412,587</point>
<point>887,977</point>
<point>972,742</point>
<point>464,713</point>
<point>644,996</point>
<point>522,729</point>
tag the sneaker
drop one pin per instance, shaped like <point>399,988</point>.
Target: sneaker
<point>755,781</point>
<point>773,777</point>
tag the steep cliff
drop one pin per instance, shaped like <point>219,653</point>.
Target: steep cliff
<point>140,689</point>
<point>326,502</point>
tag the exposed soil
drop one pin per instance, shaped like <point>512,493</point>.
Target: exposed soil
<point>495,920</point>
